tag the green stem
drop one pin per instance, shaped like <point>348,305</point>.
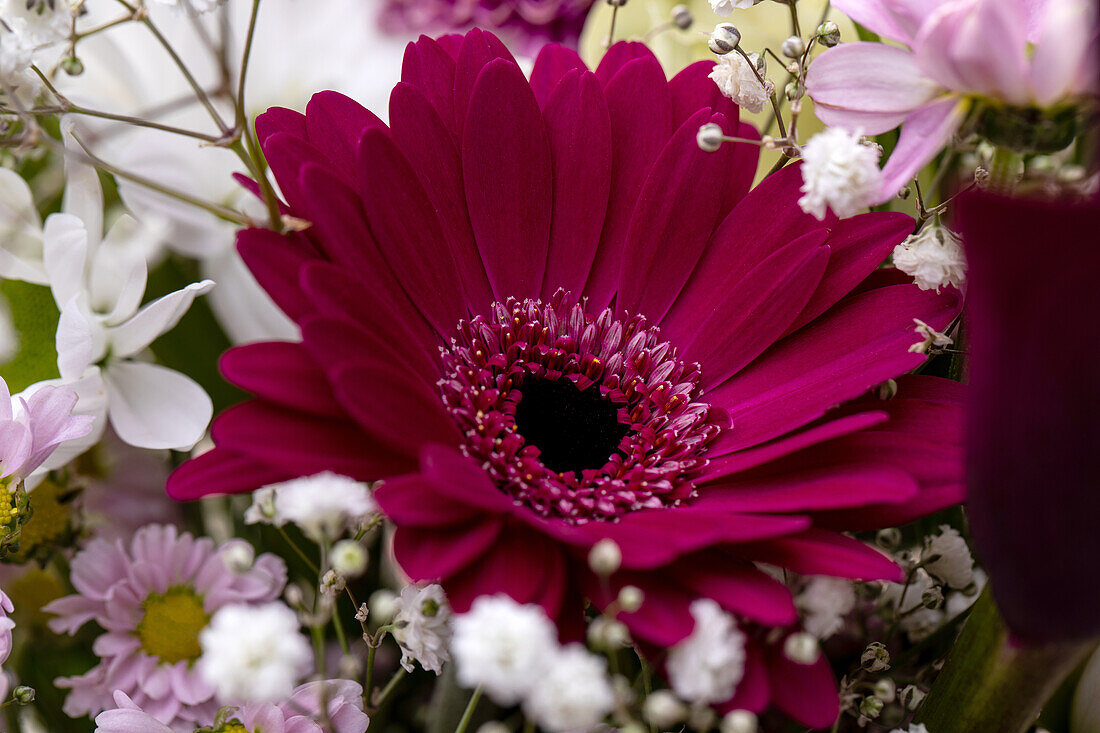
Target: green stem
<point>990,684</point>
<point>387,691</point>
<point>299,551</point>
<point>469,714</point>
<point>1003,170</point>
<point>368,680</point>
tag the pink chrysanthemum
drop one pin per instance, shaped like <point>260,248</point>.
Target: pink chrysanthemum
<point>297,715</point>
<point>527,23</point>
<point>153,599</point>
<point>546,317</point>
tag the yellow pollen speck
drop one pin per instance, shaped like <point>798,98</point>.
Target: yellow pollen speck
<point>233,726</point>
<point>170,628</point>
<point>8,511</point>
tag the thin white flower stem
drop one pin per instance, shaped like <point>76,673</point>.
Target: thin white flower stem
<point>469,713</point>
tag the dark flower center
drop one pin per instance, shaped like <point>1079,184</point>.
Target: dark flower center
<point>579,416</point>
<point>572,429</point>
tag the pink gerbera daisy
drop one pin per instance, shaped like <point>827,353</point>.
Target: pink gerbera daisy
<point>153,598</point>
<point>546,317</point>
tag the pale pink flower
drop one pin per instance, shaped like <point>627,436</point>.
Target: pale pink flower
<point>31,428</point>
<point>6,625</point>
<point>153,598</point>
<point>297,715</point>
<point>1021,53</point>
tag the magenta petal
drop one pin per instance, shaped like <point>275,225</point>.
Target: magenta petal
<point>407,231</point>
<point>752,691</point>
<point>436,553</point>
<point>638,134</point>
<point>618,56</point>
<point>738,587</point>
<point>431,70</point>
<point>221,471</point>
<point>459,478</point>
<point>580,144</point>
<point>430,148</point>
<point>551,65</point>
<point>478,50</point>
<point>692,89</point>
<point>331,342</point>
<point>527,568</point>
<point>506,167</point>
<point>664,618</point>
<point>923,135</point>
<point>283,373</point>
<point>672,221</point>
<point>274,261</point>
<point>806,692</point>
<point>414,501</point>
<point>339,226</point>
<point>820,552</point>
<point>280,119</point>
<point>391,406</point>
<point>286,155</point>
<point>802,492</point>
<point>335,123</point>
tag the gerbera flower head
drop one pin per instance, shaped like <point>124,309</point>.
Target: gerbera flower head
<point>153,598</point>
<point>545,318</point>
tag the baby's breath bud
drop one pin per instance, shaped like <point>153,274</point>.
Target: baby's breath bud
<point>932,598</point>
<point>887,390</point>
<point>294,596</point>
<point>238,557</point>
<point>885,690</point>
<point>332,582</point>
<point>605,557</point>
<point>889,538</point>
<point>724,39</point>
<point>738,721</point>
<point>349,558</point>
<point>793,47</point>
<point>911,697</point>
<point>631,598</point>
<point>875,657</point>
<point>494,726</point>
<point>633,727</point>
<point>710,137</point>
<point>616,3</point>
<point>828,34</point>
<point>904,193</point>
<point>605,633</point>
<point>682,17</point>
<point>802,648</point>
<point>383,605</point>
<point>793,91</point>
<point>72,66</point>
<point>662,709</point>
<point>23,695</point>
<point>871,707</point>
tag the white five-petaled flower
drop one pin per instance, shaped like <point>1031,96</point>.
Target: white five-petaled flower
<point>324,505</point>
<point>707,666</point>
<point>824,603</point>
<point>503,646</point>
<point>933,257</point>
<point>736,78</point>
<point>725,7</point>
<point>423,627</point>
<point>953,563</point>
<point>840,172</point>
<point>574,693</point>
<point>254,653</point>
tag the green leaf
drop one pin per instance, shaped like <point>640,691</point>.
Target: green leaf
<point>34,315</point>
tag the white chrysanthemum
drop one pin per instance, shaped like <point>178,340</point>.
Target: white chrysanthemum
<point>725,7</point>
<point>423,627</point>
<point>955,565</point>
<point>574,693</point>
<point>254,653</point>
<point>323,505</point>
<point>707,666</point>
<point>504,646</point>
<point>839,172</point>
<point>737,80</point>
<point>933,257</point>
<point>824,603</point>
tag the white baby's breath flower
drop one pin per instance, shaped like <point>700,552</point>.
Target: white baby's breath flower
<point>904,599</point>
<point>954,565</point>
<point>933,257</point>
<point>423,627</point>
<point>16,53</point>
<point>503,646</point>
<point>930,338</point>
<point>737,80</point>
<point>725,7</point>
<point>824,603</point>
<point>41,22</point>
<point>707,666</point>
<point>324,505</point>
<point>574,693</point>
<point>839,172</point>
<point>914,728</point>
<point>254,653</point>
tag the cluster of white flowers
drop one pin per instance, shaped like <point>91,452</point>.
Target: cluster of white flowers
<point>254,653</point>
<point>511,651</point>
<point>324,505</point>
<point>839,171</point>
<point>948,558</point>
<point>824,603</point>
<point>737,79</point>
<point>423,627</point>
<point>933,257</point>
<point>707,666</point>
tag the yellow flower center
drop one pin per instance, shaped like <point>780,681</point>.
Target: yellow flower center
<point>170,628</point>
<point>9,514</point>
<point>233,726</point>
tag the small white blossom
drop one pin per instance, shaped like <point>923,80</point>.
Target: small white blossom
<point>737,80</point>
<point>930,338</point>
<point>933,257</point>
<point>738,721</point>
<point>707,666</point>
<point>914,728</point>
<point>662,709</point>
<point>573,694</point>
<point>955,565</point>
<point>349,558</point>
<point>839,172</point>
<point>824,603</point>
<point>16,52</point>
<point>41,22</point>
<point>503,646</point>
<point>725,7</point>
<point>254,653</point>
<point>423,627</point>
<point>382,605</point>
<point>324,505</point>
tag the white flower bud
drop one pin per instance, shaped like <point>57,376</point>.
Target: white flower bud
<point>682,17</point>
<point>875,658</point>
<point>383,605</point>
<point>349,558</point>
<point>662,709</point>
<point>724,38</point>
<point>631,598</point>
<point>793,47</point>
<point>608,634</point>
<point>802,648</point>
<point>710,137</point>
<point>911,697</point>
<point>493,726</point>
<point>23,695</point>
<point>885,690</point>
<point>332,583</point>
<point>238,556</point>
<point>871,707</point>
<point>738,721</point>
<point>932,598</point>
<point>828,34</point>
<point>889,538</point>
<point>605,557</point>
